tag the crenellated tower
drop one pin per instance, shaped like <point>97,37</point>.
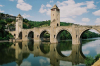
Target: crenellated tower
<point>55,16</point>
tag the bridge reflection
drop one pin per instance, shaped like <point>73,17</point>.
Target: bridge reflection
<point>51,51</point>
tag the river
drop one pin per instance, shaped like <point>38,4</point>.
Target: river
<point>46,54</point>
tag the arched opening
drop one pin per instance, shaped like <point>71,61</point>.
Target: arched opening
<point>90,41</point>
<point>31,45</point>
<point>65,43</point>
<point>45,48</point>
<point>20,45</point>
<point>45,36</point>
<point>20,35</point>
<point>31,35</point>
<point>64,48</point>
<point>64,35</point>
<point>57,24</point>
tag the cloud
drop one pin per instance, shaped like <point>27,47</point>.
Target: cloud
<point>25,63</point>
<point>86,52</point>
<point>11,0</point>
<point>51,1</point>
<point>85,19</point>
<point>98,50</point>
<point>48,5</point>
<point>96,13</point>
<point>1,11</point>
<point>97,21</point>
<point>90,5</point>
<point>23,6</point>
<point>71,9</point>
<point>42,10</point>
<point>66,53</point>
<point>67,20</point>
<point>1,5</point>
<point>26,16</point>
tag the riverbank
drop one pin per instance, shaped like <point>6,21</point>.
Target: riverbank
<point>97,63</point>
<point>4,41</point>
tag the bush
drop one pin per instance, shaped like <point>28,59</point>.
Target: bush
<point>89,61</point>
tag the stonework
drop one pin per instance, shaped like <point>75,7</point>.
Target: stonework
<point>54,29</point>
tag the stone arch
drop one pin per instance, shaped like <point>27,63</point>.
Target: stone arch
<point>20,35</point>
<point>83,31</point>
<point>42,33</point>
<point>31,35</point>
<point>59,32</point>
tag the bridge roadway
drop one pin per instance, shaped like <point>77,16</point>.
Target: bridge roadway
<point>54,54</point>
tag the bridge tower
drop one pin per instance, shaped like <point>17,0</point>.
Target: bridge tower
<point>55,16</point>
<point>55,22</point>
<point>19,25</point>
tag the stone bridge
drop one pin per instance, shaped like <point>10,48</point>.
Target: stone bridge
<point>54,54</point>
<point>54,29</point>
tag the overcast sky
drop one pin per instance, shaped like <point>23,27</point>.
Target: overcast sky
<point>84,12</point>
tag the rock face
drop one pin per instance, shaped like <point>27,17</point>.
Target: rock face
<point>97,63</point>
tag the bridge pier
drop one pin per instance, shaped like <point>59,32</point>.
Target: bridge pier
<point>75,35</point>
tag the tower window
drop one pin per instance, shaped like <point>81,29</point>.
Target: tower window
<point>53,9</point>
<point>57,24</point>
<point>53,14</point>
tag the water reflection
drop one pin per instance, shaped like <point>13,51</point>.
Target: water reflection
<point>38,54</point>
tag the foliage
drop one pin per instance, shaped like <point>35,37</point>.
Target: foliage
<point>90,61</point>
<point>5,45</point>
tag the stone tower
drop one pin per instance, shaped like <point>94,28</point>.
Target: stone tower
<point>55,16</point>
<point>19,25</point>
<point>55,22</point>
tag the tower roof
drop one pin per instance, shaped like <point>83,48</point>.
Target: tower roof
<point>19,16</point>
<point>55,7</point>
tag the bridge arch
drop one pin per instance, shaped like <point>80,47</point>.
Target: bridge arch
<point>42,34</point>
<point>60,31</point>
<point>20,35</point>
<point>84,30</point>
<point>31,35</point>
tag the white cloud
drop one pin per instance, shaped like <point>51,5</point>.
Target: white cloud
<point>98,50</point>
<point>11,0</point>
<point>1,5</point>
<point>42,10</point>
<point>86,52</point>
<point>48,5</point>
<point>51,1</point>
<point>66,53</point>
<point>25,63</point>
<point>71,9</point>
<point>90,5</point>
<point>67,20</point>
<point>26,16</point>
<point>97,21</point>
<point>1,11</point>
<point>96,13</point>
<point>23,6</point>
<point>85,19</point>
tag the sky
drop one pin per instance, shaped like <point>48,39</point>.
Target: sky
<point>83,12</point>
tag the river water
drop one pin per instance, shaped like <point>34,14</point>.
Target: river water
<point>46,54</point>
